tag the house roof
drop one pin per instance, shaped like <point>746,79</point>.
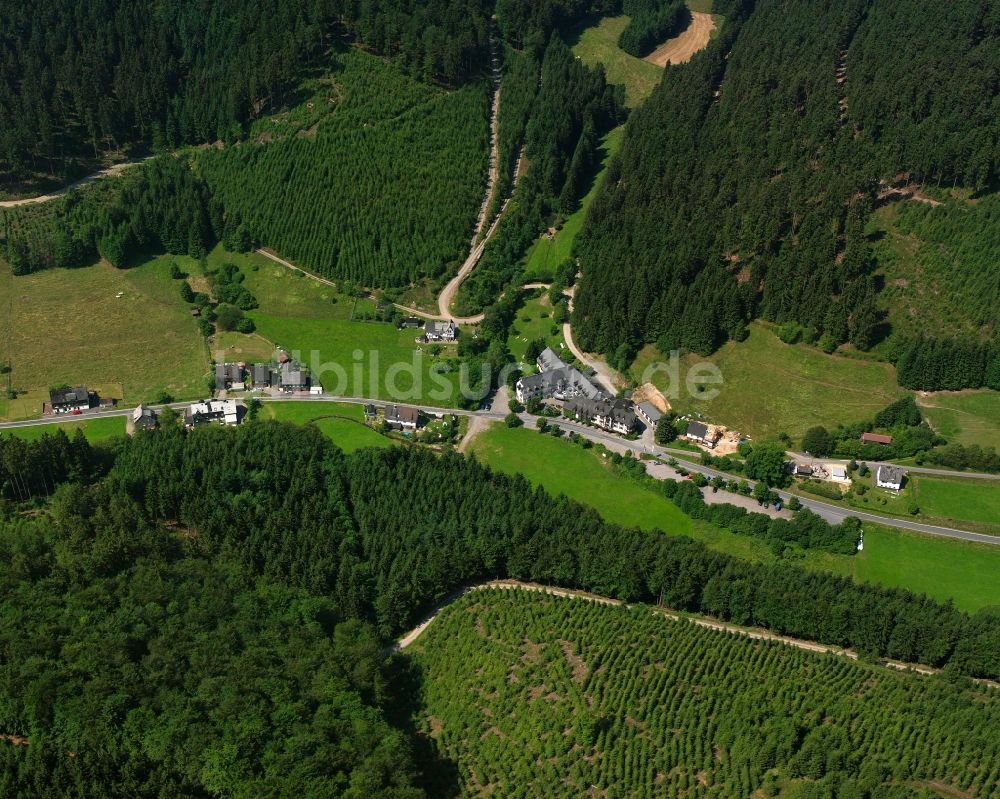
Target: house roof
<point>887,473</point>
<point>440,328</point>
<point>369,409</point>
<point>838,471</point>
<point>876,438</point>
<point>261,373</point>
<point>803,468</point>
<point>697,430</point>
<point>292,375</point>
<point>401,413</point>
<point>68,396</point>
<point>548,361</point>
<point>648,410</point>
<point>616,411</point>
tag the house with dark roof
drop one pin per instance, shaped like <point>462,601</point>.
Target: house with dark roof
<point>440,331</point>
<point>875,438</point>
<point>803,470</point>
<point>228,375</point>
<point>617,416</point>
<point>411,322</point>
<point>293,378</point>
<point>701,433</point>
<point>369,411</point>
<point>402,417</point>
<point>648,413</point>
<point>888,476</point>
<point>143,418</point>
<point>261,375</point>
<point>67,400</point>
<point>227,412</point>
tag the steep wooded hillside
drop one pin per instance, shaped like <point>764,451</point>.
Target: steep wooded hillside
<point>81,79</point>
<point>744,183</point>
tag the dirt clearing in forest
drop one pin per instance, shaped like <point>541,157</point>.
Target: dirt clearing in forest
<point>680,49</point>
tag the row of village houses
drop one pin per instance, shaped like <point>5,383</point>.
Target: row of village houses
<point>582,400</point>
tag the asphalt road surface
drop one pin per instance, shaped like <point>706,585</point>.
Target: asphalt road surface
<point>832,513</point>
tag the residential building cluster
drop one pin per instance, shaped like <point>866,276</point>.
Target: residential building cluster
<point>286,376</point>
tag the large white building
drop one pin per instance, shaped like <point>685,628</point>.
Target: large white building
<point>226,412</point>
<point>557,379</point>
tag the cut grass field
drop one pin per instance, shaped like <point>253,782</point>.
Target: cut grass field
<point>596,42</point>
<point>964,417</point>
<point>341,422</point>
<point>547,253</point>
<point>948,498</point>
<point>770,387</point>
<point>96,430</point>
<point>962,572</point>
<point>69,326</point>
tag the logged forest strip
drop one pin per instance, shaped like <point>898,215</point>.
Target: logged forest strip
<point>110,171</point>
<point>680,49</point>
<point>753,633</point>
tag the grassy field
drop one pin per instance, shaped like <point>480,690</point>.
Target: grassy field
<point>597,43</point>
<point>96,430</point>
<point>547,253</point>
<point>974,500</point>
<point>533,321</point>
<point>771,387</point>
<point>389,365</point>
<point>69,326</point>
<point>964,417</point>
<point>944,569</point>
<point>341,422</point>
<point>963,572</point>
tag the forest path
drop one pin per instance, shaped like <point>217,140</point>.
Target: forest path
<point>680,49</point>
<point>110,171</point>
<point>607,376</point>
<point>754,633</point>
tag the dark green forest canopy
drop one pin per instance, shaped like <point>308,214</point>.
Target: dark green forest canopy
<point>744,183</point>
<point>80,79</point>
<point>203,613</point>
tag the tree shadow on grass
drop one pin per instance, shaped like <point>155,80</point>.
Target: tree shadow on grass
<point>437,774</point>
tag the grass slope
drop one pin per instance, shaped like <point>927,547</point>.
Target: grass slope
<point>525,694</point>
<point>962,572</point>
<point>547,253</point>
<point>771,387</point>
<point>964,417</point>
<point>68,326</point>
<point>341,422</point>
<point>597,43</point>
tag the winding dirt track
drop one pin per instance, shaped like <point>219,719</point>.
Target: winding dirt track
<point>117,169</point>
<point>680,49</point>
<point>754,633</point>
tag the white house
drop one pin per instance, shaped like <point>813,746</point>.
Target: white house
<point>890,477</point>
<point>224,411</point>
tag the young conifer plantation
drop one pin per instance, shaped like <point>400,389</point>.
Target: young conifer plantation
<point>533,695</point>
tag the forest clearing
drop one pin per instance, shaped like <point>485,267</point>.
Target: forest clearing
<point>680,49</point>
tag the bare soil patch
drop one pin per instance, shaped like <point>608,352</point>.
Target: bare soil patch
<point>680,49</point>
<point>647,392</point>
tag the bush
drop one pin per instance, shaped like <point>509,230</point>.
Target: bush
<point>513,420</point>
<point>245,325</point>
<point>227,317</point>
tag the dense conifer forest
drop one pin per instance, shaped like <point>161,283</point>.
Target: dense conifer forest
<point>745,181</point>
<point>82,79</point>
<point>202,613</point>
<point>536,695</point>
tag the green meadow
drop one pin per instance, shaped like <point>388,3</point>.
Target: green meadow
<point>71,326</point>
<point>96,430</point>
<point>769,387</point>
<point>534,320</point>
<point>597,43</point>
<point>964,417</point>
<point>944,569</point>
<point>947,498</point>
<point>341,422</point>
